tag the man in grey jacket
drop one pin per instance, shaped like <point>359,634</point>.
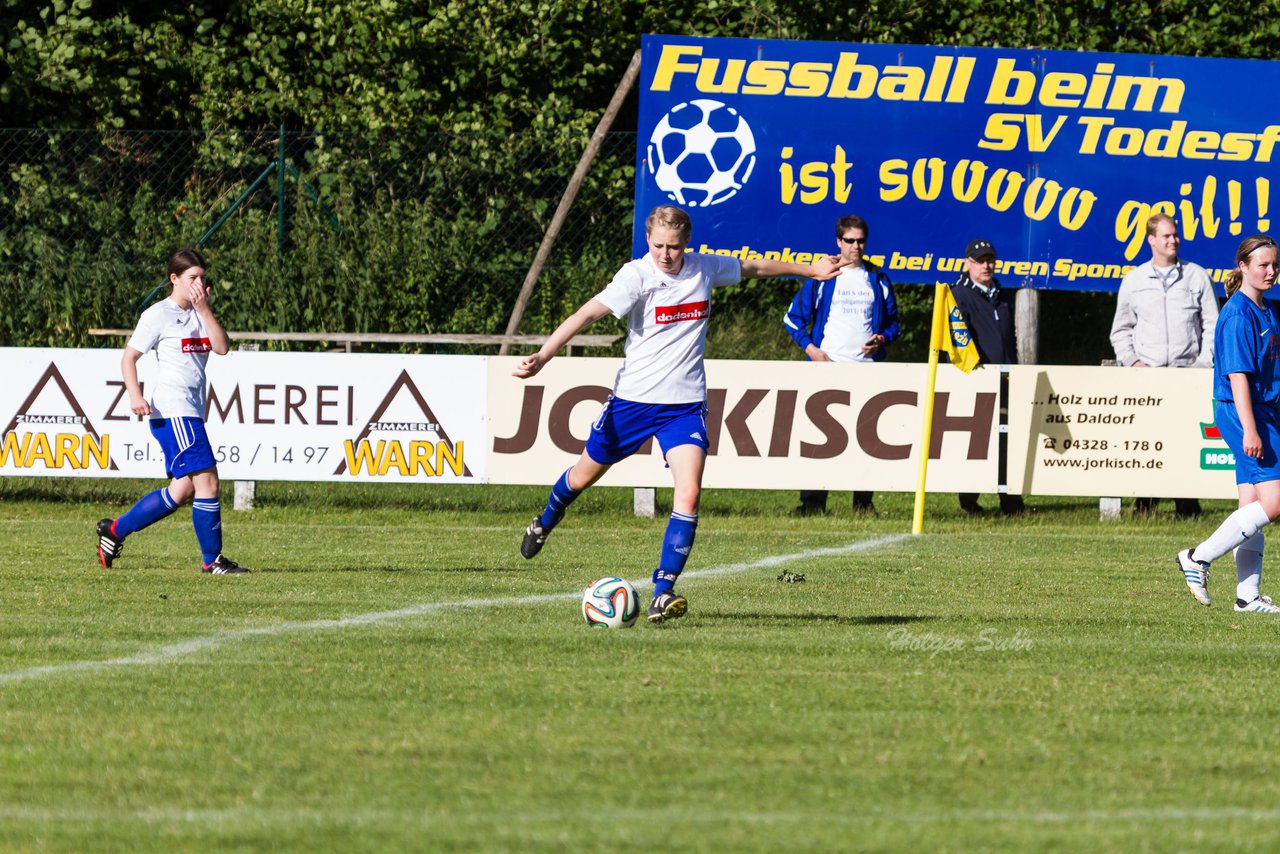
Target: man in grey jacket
<point>1165,314</point>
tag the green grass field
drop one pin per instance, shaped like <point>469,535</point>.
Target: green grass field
<point>395,677</point>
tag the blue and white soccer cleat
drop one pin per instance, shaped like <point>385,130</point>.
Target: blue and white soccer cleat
<point>1261,605</point>
<point>1196,574</point>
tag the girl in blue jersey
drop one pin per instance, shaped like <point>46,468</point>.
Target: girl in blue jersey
<point>1246,393</point>
<point>661,390</point>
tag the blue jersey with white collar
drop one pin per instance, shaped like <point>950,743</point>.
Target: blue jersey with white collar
<point>1248,341</point>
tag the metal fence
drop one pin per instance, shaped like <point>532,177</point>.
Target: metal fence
<point>450,222</point>
<point>429,234</point>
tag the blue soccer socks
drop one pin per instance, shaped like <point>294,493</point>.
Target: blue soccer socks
<point>151,508</point>
<point>206,518</point>
<point>676,545</point>
<point>562,495</point>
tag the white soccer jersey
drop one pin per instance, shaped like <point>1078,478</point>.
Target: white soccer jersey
<point>666,326</point>
<point>182,349</point>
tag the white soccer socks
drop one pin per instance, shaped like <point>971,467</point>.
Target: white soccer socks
<point>1241,525</point>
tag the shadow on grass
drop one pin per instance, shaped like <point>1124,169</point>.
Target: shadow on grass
<point>107,495</point>
<point>800,619</point>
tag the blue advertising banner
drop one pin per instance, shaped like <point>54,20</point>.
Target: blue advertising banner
<point>1056,157</point>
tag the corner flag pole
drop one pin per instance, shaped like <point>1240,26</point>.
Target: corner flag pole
<point>926,430</point>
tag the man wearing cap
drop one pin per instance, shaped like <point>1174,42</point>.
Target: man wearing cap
<point>988,311</point>
<point>1166,311</point>
<point>851,318</point>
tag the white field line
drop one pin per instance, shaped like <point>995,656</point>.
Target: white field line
<point>167,653</point>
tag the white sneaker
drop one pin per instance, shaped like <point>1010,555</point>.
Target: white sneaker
<point>1196,573</point>
<point>1261,605</point>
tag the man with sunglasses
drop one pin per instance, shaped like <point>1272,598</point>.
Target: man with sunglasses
<point>988,311</point>
<point>851,318</point>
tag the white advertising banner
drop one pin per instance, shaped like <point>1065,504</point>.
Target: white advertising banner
<point>1118,432</point>
<point>270,416</point>
<point>771,425</point>
<point>1087,431</point>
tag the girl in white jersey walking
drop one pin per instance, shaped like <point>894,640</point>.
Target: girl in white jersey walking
<point>182,330</point>
<point>661,390</point>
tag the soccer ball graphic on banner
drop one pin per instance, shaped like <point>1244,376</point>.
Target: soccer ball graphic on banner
<point>610,603</point>
<point>701,153</point>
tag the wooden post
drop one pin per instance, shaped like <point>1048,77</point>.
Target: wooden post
<point>644,501</point>
<point>1108,508</point>
<point>566,201</point>
<point>245,493</point>
<point>1026,323</point>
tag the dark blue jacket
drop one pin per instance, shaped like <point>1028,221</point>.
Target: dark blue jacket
<point>807,317</point>
<point>990,320</point>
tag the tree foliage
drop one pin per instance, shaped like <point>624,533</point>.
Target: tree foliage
<point>517,86</point>
<point>486,65</point>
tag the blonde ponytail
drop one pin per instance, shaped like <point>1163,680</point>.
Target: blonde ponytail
<point>1231,283</point>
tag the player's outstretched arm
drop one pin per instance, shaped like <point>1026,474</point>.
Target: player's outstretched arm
<point>766,268</point>
<point>591,311</point>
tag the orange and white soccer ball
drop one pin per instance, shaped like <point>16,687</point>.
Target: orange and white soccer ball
<point>610,603</point>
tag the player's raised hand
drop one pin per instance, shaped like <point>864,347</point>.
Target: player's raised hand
<point>828,267</point>
<point>198,294</point>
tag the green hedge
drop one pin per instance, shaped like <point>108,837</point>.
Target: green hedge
<point>442,135</point>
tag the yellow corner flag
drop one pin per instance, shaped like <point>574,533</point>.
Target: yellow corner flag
<point>949,333</point>
<point>952,332</point>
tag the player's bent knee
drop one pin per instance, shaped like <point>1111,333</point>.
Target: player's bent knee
<point>182,490</point>
<point>686,501</point>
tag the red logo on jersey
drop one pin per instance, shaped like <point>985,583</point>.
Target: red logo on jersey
<point>196,345</point>
<point>677,313</point>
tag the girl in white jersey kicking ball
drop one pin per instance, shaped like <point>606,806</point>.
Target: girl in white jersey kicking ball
<point>661,390</point>
<point>182,330</point>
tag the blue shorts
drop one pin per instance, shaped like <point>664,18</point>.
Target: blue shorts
<point>185,444</point>
<point>624,426</point>
<point>1250,469</point>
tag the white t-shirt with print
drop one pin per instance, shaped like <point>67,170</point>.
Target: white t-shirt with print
<point>666,326</point>
<point>182,348</point>
<point>849,323</point>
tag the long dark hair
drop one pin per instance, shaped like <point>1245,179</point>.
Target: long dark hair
<point>183,260</point>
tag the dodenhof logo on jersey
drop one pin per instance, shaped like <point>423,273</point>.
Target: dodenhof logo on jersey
<point>701,153</point>
<point>685,311</point>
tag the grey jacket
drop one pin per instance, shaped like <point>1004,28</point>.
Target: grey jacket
<point>1165,327</point>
